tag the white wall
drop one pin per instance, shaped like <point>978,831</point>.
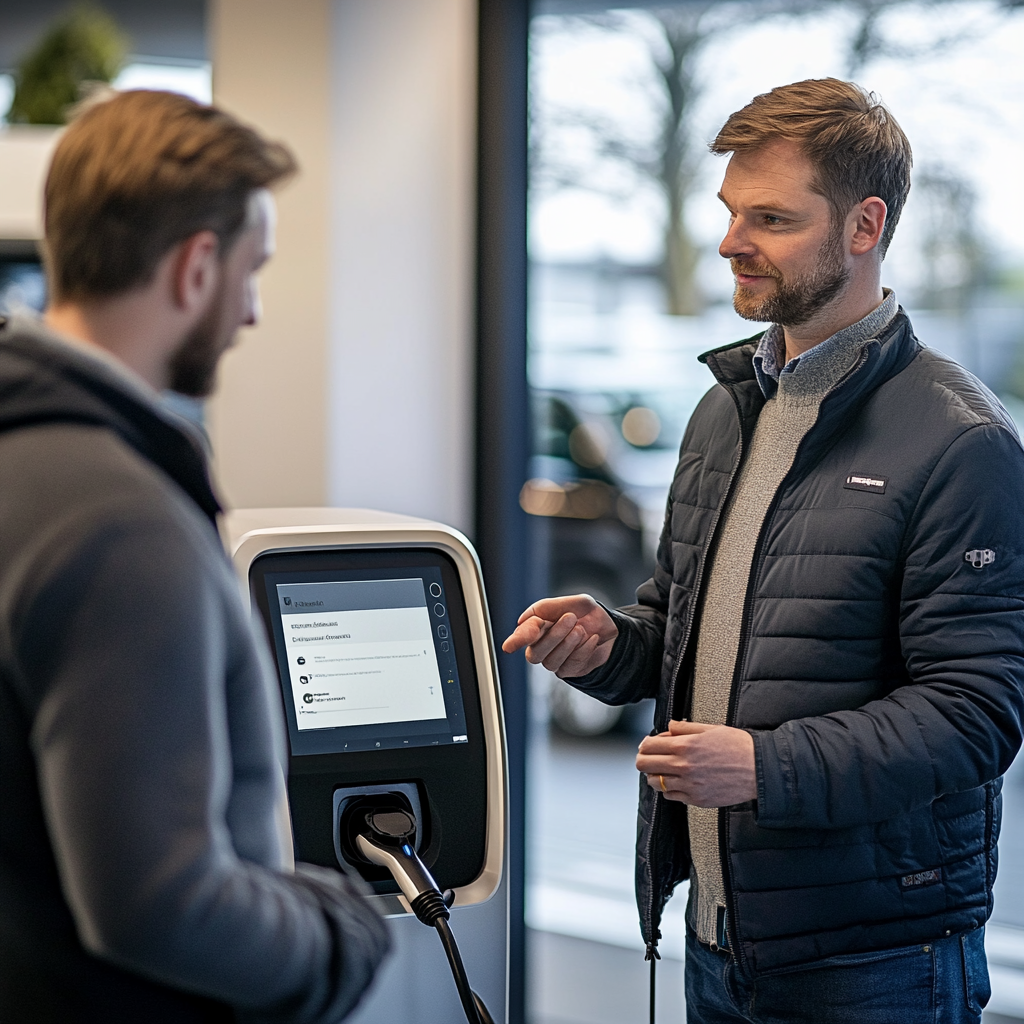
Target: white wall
<point>268,421</point>
<point>357,387</point>
<point>25,153</point>
<point>404,83</point>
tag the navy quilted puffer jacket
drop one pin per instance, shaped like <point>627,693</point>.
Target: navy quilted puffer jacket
<point>881,659</point>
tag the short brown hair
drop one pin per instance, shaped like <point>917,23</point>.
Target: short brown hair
<point>136,174</point>
<point>854,143</point>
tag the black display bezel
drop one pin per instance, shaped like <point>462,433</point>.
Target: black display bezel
<point>452,778</point>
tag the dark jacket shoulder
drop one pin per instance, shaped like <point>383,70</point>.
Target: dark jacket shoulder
<point>947,393</point>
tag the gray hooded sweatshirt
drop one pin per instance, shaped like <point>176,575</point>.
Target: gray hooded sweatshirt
<point>142,875</point>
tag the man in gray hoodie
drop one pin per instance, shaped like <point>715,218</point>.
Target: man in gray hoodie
<point>144,873</point>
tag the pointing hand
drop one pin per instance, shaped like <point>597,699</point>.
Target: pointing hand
<point>570,636</point>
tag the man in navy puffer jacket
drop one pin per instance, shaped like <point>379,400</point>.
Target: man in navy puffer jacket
<point>835,629</point>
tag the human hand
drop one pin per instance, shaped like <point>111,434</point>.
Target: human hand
<point>702,765</point>
<point>569,636</point>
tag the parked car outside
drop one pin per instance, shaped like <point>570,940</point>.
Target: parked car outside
<point>588,532</point>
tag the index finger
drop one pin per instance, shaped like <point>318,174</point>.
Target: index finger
<point>683,727</point>
<point>526,633</point>
<point>553,608</point>
<point>663,743</point>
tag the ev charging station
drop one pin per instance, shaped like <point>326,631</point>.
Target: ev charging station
<point>379,627</point>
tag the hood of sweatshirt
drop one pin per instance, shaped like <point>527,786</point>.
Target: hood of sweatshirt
<point>46,380</point>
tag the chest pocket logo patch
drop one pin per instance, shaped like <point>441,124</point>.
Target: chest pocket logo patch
<point>980,557</point>
<point>866,482</point>
<point>920,878</point>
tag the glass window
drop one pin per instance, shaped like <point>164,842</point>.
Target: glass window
<point>627,288</point>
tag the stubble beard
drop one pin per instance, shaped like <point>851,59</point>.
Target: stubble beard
<point>795,302</point>
<point>193,367</point>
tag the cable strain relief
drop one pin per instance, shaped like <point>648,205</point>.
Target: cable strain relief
<point>429,907</point>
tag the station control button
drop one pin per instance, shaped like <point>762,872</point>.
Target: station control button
<point>444,646</point>
<point>442,632</point>
<point>439,610</point>
<point>435,589</point>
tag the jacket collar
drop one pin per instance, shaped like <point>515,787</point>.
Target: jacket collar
<point>831,355</point>
<point>878,360</point>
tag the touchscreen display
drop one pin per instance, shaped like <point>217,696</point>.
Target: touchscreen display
<point>360,653</point>
<point>366,661</point>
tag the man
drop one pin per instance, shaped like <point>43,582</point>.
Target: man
<point>143,875</point>
<point>835,628</point>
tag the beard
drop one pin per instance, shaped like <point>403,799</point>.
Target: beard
<point>193,367</point>
<point>797,301</point>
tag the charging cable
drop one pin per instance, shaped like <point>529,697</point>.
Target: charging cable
<point>387,842</point>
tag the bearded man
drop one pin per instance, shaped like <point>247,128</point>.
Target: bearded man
<point>144,875</point>
<point>835,628</point>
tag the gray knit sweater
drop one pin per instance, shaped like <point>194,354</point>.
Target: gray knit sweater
<point>794,396</point>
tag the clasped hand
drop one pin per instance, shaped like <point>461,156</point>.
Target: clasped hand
<point>703,765</point>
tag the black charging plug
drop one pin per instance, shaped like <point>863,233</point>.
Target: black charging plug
<point>387,840</point>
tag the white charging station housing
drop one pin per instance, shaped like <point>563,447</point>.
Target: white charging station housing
<point>409,986</point>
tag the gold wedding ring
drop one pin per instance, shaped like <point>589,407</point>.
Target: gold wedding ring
<point>661,779</point>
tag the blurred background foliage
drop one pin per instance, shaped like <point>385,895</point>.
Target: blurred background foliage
<point>82,50</point>
<point>584,145</point>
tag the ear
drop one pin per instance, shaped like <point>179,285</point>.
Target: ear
<point>196,271</point>
<point>868,219</point>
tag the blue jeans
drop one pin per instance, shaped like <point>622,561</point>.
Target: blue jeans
<point>943,982</point>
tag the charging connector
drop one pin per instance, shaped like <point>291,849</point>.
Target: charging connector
<point>386,840</point>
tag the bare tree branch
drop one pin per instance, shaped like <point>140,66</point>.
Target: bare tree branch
<point>615,159</point>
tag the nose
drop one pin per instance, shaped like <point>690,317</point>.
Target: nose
<point>253,305</point>
<point>736,241</point>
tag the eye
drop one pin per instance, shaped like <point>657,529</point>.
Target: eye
<point>771,220</point>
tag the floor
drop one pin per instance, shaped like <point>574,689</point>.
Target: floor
<point>574,981</point>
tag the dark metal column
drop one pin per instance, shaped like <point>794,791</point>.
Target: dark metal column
<point>502,420</point>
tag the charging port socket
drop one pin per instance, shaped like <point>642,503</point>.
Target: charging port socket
<point>352,804</point>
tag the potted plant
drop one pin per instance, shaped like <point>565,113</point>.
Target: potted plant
<point>81,51</point>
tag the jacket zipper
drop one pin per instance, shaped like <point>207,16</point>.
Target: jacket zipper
<point>741,654</point>
<point>652,945</point>
<point>990,811</point>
